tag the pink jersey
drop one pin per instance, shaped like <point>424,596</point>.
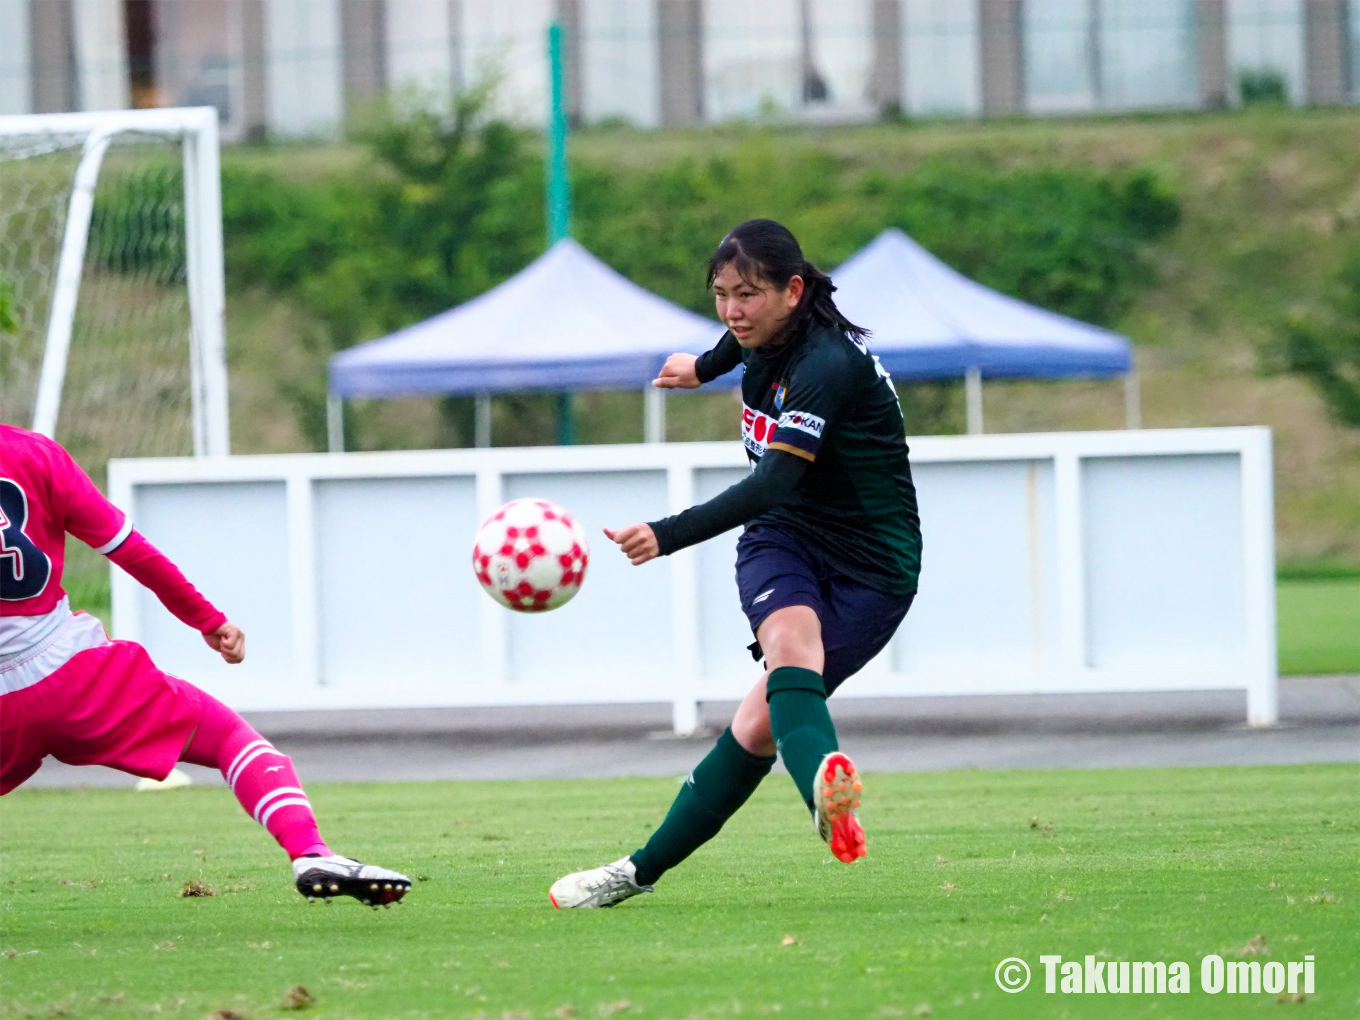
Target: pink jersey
<point>43,495</point>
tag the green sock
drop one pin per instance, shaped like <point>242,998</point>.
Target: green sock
<point>801,725</point>
<point>718,786</point>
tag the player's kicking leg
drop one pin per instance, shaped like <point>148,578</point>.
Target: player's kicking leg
<point>786,712</point>
<point>268,788</point>
<point>836,794</point>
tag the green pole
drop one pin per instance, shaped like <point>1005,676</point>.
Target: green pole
<point>559,187</point>
<point>559,195</point>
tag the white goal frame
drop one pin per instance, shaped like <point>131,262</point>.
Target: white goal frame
<point>197,131</point>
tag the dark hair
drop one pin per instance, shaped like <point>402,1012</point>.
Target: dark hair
<point>768,251</point>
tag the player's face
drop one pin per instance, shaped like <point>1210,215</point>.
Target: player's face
<point>752,309</point>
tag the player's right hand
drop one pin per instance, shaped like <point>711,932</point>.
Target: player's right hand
<point>678,373</point>
<point>638,542</point>
<point>229,641</point>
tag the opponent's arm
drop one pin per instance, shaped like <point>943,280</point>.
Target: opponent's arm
<point>101,525</point>
<point>770,484</point>
<point>152,569</point>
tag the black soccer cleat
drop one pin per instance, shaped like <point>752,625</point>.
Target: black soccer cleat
<point>320,878</point>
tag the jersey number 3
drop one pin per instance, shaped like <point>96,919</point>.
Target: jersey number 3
<point>24,568</point>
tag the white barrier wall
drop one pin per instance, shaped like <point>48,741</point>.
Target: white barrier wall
<point>1070,562</point>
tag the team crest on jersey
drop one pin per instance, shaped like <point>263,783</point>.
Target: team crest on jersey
<point>780,392</point>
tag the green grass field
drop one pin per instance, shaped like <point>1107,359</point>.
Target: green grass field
<point>1319,625</point>
<point>965,869</point>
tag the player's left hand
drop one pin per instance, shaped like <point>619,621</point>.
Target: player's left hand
<point>229,641</point>
<point>638,542</point>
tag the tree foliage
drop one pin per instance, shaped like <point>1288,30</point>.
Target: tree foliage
<point>1074,241</point>
<point>449,207</point>
<point>1323,344</point>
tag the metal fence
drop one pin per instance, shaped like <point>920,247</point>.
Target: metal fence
<point>298,67</point>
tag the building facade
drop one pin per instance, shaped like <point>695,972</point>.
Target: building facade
<point>301,67</point>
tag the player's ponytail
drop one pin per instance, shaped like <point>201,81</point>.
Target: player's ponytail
<point>767,250</point>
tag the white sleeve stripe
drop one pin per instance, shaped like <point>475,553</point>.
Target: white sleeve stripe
<point>290,802</point>
<point>117,539</point>
<point>282,791</point>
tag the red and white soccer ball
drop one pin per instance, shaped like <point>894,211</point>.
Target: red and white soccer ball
<point>531,555</point>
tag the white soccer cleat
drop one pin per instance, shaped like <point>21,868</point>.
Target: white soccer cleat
<point>836,792</point>
<point>599,887</point>
<point>324,877</point>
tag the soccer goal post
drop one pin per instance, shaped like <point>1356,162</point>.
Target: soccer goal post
<point>111,282</point>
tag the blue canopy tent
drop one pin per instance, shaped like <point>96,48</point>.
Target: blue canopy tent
<point>565,322</point>
<point>569,322</point>
<point>930,321</point>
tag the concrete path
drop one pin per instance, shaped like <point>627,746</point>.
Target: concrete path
<point>1320,723</point>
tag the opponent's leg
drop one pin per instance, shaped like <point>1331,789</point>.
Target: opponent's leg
<point>261,777</point>
<point>268,788</point>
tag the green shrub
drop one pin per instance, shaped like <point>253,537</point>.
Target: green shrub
<point>7,322</point>
<point>1262,87</point>
<point>137,224</point>
<point>1323,344</point>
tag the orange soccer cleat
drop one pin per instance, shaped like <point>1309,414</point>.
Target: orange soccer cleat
<point>836,799</point>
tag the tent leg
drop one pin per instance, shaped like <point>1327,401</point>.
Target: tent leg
<point>653,415</point>
<point>972,398</point>
<point>1133,401</point>
<point>481,421</point>
<point>566,420</point>
<point>335,423</point>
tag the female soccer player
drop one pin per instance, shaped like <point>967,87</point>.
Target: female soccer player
<point>827,566</point>
<point>68,691</point>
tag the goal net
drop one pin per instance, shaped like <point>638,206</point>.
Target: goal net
<point>111,292</point>
<point>110,328</point>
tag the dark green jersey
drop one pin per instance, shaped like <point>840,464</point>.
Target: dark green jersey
<point>826,411</point>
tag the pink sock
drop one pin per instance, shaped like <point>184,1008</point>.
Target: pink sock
<point>262,778</point>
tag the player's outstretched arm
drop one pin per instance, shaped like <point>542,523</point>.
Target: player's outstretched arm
<point>772,482</point>
<point>689,371</point>
<point>638,542</point>
<point>229,641</point>
<point>678,373</point>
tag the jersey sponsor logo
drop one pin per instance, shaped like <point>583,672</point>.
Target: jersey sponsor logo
<point>762,597</point>
<point>803,422</point>
<point>756,430</point>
